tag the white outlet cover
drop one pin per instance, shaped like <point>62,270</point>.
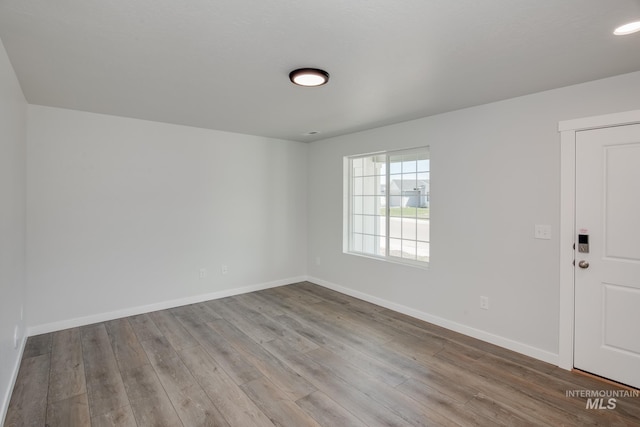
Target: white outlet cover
<point>542,232</point>
<point>15,337</point>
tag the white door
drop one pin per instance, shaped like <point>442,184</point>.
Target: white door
<point>607,278</point>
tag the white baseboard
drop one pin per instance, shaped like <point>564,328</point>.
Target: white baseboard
<point>507,343</point>
<point>132,311</point>
<point>14,376</point>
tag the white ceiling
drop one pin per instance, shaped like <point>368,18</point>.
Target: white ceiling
<point>224,64</point>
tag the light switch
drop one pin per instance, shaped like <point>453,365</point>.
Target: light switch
<point>543,232</point>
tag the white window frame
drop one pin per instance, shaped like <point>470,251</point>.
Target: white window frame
<point>349,232</point>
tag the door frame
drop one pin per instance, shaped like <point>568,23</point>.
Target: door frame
<point>568,130</point>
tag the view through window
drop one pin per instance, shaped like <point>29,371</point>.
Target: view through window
<point>388,209</point>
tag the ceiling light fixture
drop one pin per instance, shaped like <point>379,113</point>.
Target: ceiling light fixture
<point>309,77</point>
<point>630,28</point>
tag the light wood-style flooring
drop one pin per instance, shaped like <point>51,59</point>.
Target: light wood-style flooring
<point>297,355</point>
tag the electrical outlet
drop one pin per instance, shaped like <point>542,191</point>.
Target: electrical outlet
<point>484,303</point>
<point>224,270</point>
<point>203,273</point>
<point>16,337</point>
<point>317,260</point>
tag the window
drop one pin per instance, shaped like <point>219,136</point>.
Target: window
<point>387,214</point>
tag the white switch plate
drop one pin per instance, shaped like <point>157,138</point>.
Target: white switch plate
<point>484,303</point>
<point>543,232</point>
<point>224,270</point>
<point>203,273</point>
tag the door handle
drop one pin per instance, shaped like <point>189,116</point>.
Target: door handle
<point>583,264</point>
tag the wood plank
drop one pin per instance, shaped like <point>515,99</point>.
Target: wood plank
<point>67,377</point>
<point>230,400</point>
<point>340,323</point>
<point>364,314</point>
<point>291,383</point>
<point>28,405</point>
<point>353,400</point>
<point>539,388</point>
<point>508,396</point>
<point>173,330</point>
<point>233,362</point>
<point>439,401</point>
<point>105,388</point>
<point>327,412</point>
<point>499,415</point>
<point>406,364</point>
<point>390,398</point>
<point>276,404</point>
<point>205,312</point>
<point>331,295</point>
<point>373,367</point>
<point>416,326</point>
<point>120,417</point>
<point>479,383</point>
<point>189,399</point>
<point>195,408</point>
<point>455,392</point>
<point>202,310</point>
<point>158,349</point>
<point>144,328</point>
<point>229,312</point>
<point>70,412</point>
<point>258,304</point>
<point>37,345</point>
<point>349,341</point>
<point>418,365</point>
<point>276,329</point>
<point>291,293</point>
<point>125,345</point>
<point>150,404</point>
<point>379,334</point>
<point>346,332</point>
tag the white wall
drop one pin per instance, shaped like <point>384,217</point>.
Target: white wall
<point>123,213</point>
<point>13,127</point>
<point>494,175</point>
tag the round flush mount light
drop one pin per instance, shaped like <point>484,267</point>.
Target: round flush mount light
<point>309,77</point>
<point>630,28</point>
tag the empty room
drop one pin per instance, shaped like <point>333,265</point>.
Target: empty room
<point>219,213</point>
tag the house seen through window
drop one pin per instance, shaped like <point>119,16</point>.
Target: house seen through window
<point>387,214</point>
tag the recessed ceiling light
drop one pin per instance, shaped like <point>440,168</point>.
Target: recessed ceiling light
<point>630,28</point>
<point>313,132</point>
<point>309,77</point>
